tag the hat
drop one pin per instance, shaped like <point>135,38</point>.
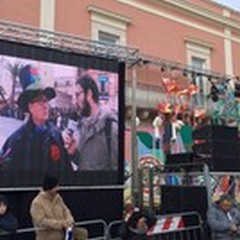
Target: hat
<point>50,182</point>
<point>136,215</point>
<point>224,197</point>
<point>32,87</point>
<point>165,108</point>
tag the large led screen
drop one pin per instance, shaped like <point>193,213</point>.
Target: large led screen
<point>59,114</point>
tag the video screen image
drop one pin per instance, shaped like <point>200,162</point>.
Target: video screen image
<point>57,118</point>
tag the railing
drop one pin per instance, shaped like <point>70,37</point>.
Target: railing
<point>113,230</point>
<point>151,178</point>
<point>187,226</point>
<point>184,226</point>
<point>97,230</point>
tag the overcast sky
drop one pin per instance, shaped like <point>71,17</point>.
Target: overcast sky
<point>235,4</point>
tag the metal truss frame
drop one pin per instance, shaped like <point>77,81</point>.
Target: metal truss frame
<point>65,42</point>
<point>73,43</point>
<point>161,62</point>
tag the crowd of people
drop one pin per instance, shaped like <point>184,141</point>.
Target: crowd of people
<point>51,217</point>
<point>223,221</point>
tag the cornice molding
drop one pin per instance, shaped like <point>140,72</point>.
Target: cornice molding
<point>181,20</point>
<point>109,14</point>
<point>198,42</point>
<point>201,12</point>
<point>212,2</point>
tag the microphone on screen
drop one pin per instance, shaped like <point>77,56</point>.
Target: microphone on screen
<point>70,133</point>
<point>72,125</point>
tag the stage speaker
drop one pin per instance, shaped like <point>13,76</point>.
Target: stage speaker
<point>178,199</point>
<point>179,158</point>
<point>213,132</point>
<point>223,164</point>
<point>218,147</point>
<point>221,156</point>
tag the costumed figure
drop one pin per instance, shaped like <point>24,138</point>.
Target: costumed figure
<point>158,137</point>
<point>176,140</point>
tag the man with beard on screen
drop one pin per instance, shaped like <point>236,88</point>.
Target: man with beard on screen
<point>37,145</point>
<point>97,147</point>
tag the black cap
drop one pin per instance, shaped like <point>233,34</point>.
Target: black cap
<point>27,96</point>
<point>50,182</point>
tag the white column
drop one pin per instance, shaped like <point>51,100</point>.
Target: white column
<point>47,15</point>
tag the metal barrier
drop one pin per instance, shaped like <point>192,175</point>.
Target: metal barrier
<point>113,230</point>
<point>183,226</point>
<point>97,230</point>
<point>151,178</point>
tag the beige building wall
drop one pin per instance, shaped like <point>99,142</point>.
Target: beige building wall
<point>21,11</point>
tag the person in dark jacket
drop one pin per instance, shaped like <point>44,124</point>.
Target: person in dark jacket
<point>37,145</point>
<point>136,226</point>
<point>8,223</point>
<point>224,219</point>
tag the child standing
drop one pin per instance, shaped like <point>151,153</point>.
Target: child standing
<point>8,223</point>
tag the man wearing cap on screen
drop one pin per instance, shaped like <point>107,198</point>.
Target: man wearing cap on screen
<point>50,215</point>
<point>97,148</point>
<point>37,145</point>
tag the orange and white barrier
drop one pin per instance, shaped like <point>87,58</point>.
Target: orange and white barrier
<point>166,224</point>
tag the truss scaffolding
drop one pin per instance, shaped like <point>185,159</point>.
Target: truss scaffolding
<point>161,62</point>
<point>65,42</point>
<point>72,43</point>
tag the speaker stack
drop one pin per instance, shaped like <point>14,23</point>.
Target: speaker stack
<point>172,159</point>
<point>218,146</point>
<point>179,199</point>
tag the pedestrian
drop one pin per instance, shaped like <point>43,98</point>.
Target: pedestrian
<point>224,219</point>
<point>50,215</point>
<point>8,223</point>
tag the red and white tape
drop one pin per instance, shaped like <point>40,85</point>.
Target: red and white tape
<point>166,224</point>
